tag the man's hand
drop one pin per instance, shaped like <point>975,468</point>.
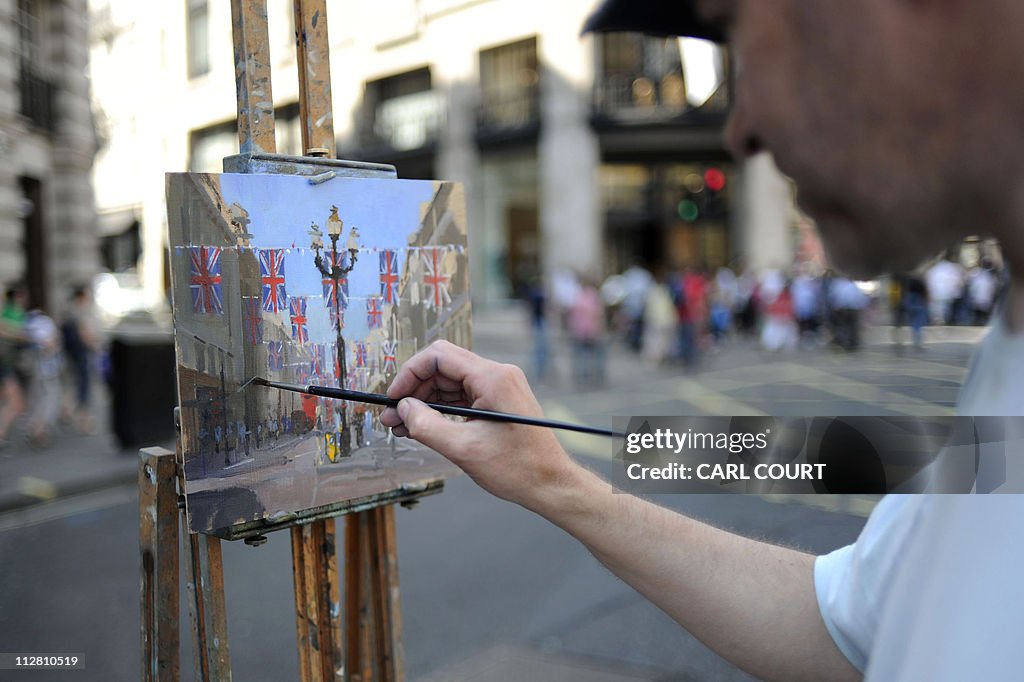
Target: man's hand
<point>515,462</point>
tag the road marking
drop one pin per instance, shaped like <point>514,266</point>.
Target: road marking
<point>577,443</point>
<point>870,394</point>
<point>68,506</point>
<point>39,488</point>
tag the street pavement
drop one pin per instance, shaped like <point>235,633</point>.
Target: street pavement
<point>489,591</point>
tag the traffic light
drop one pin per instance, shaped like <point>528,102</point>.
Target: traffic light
<point>702,198</point>
<point>688,210</point>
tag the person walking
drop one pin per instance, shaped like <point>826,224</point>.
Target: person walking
<point>915,304</point>
<point>45,349</point>
<point>586,329</point>
<point>13,376</point>
<point>81,344</point>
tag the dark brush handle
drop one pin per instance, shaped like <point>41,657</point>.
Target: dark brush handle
<point>471,412</point>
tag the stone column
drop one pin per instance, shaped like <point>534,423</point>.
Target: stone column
<point>569,156</point>
<point>763,215</point>
<point>73,244</point>
<point>11,262</point>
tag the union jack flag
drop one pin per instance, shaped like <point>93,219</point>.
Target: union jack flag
<point>436,282</point>
<point>205,284</point>
<point>252,316</point>
<point>388,276</point>
<point>374,315</point>
<point>275,356</point>
<point>297,311</point>
<point>332,287</point>
<point>316,364</point>
<point>390,356</point>
<point>336,321</point>
<point>272,276</point>
<point>360,353</point>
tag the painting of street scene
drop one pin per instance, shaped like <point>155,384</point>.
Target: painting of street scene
<point>335,284</point>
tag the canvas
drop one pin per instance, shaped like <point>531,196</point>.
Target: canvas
<point>334,284</point>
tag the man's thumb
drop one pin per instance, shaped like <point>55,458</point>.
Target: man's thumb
<point>426,425</point>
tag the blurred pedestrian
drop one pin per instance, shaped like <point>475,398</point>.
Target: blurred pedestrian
<point>806,293</point>
<point>536,300</point>
<point>944,280</point>
<point>81,345</point>
<point>915,304</point>
<point>746,306</point>
<point>586,329</point>
<point>565,286</point>
<point>45,393</point>
<point>691,299</point>
<point>637,283</point>
<point>13,374</point>
<point>722,303</point>
<point>660,322</point>
<point>779,329</point>
<point>982,285</point>
<point>847,302</point>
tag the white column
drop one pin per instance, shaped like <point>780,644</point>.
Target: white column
<point>569,155</point>
<point>763,215</point>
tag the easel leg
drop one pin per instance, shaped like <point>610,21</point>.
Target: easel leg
<point>207,610</point>
<point>317,601</point>
<point>358,664</point>
<point>372,608</point>
<point>384,586</point>
<point>158,546</point>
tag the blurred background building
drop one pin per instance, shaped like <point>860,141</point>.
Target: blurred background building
<point>576,153</point>
<point>585,154</point>
<point>47,143</point>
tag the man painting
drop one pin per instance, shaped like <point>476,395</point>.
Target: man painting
<point>899,120</point>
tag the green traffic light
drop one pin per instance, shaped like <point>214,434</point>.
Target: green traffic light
<point>688,210</point>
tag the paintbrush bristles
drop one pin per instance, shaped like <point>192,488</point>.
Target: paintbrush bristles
<point>255,380</point>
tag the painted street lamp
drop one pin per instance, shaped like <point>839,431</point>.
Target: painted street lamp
<point>335,273</point>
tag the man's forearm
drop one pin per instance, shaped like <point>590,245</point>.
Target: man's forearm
<point>752,602</point>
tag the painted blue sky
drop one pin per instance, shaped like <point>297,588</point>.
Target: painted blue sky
<point>282,208</point>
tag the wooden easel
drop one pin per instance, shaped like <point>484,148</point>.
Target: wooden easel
<point>372,647</point>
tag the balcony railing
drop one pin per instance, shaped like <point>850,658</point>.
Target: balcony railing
<point>509,111</point>
<point>643,99</point>
<point>640,97</point>
<point>38,99</point>
<point>408,122</point>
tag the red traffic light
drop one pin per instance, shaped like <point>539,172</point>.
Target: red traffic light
<point>714,179</point>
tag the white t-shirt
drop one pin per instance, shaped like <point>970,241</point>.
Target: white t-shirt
<point>933,589</point>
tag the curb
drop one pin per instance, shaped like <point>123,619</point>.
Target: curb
<point>15,500</point>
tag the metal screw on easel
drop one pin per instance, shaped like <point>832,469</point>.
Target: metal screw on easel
<point>256,540</point>
<point>319,152</point>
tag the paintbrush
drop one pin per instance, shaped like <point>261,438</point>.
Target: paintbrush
<point>471,412</point>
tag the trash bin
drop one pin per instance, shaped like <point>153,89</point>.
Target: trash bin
<point>143,391</point>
